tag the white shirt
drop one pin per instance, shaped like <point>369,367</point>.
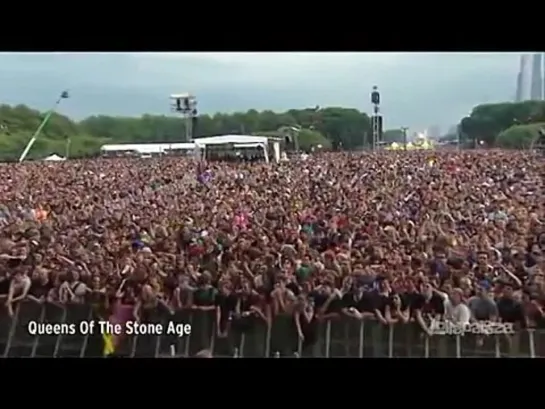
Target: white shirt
<point>459,314</point>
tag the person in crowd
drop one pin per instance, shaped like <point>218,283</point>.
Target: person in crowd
<point>482,306</point>
<point>390,236</point>
<point>429,306</point>
<point>456,310</point>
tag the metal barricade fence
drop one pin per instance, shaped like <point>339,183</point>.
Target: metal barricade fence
<point>336,338</point>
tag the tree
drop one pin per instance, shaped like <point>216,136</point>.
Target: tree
<point>519,136</point>
<point>347,127</point>
<point>486,122</point>
<point>319,126</point>
<point>309,138</point>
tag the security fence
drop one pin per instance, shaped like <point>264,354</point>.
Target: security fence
<point>336,338</point>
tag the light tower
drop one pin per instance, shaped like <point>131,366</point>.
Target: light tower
<point>186,105</point>
<point>404,129</point>
<point>376,118</point>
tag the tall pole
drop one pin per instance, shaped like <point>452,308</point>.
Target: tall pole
<point>404,129</point>
<point>188,128</point>
<point>67,148</point>
<point>63,95</point>
<point>459,137</point>
<point>376,118</point>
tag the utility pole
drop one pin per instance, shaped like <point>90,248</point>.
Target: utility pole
<point>459,137</point>
<point>404,129</point>
<point>67,147</point>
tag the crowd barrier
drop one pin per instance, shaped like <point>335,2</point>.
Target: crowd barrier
<point>336,338</point>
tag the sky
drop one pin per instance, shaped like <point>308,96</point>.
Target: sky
<point>418,90</point>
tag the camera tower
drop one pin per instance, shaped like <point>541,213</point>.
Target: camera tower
<point>186,105</point>
<point>376,119</point>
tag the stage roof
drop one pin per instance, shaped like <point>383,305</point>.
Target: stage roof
<point>201,142</point>
<point>147,147</point>
<point>237,139</point>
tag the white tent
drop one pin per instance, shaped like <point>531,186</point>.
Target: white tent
<point>147,148</point>
<point>236,140</point>
<point>54,158</point>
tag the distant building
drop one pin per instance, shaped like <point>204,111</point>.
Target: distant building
<point>518,95</point>
<point>531,78</point>
<point>524,83</point>
<point>536,90</point>
<point>452,130</point>
<point>543,75</point>
<point>434,132</point>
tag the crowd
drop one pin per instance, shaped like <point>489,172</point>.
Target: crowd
<point>394,237</point>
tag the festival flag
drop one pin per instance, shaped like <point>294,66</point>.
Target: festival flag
<point>204,177</point>
<point>109,347</point>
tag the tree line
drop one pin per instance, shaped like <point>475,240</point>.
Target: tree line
<point>330,127</point>
<point>505,125</point>
<point>509,125</point>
